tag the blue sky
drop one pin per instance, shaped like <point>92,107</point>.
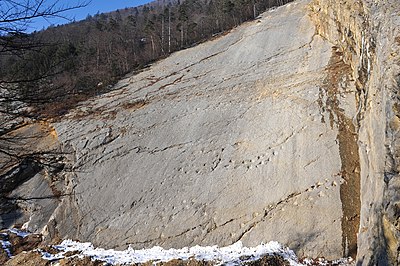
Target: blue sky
<point>81,13</point>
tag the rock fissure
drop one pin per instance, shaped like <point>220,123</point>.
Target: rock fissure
<point>268,211</point>
<point>164,238</point>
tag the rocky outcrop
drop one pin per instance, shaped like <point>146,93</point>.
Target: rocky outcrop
<point>367,34</point>
<point>283,129</point>
<point>222,142</point>
<point>29,185</point>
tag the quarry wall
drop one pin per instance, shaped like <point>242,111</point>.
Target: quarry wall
<point>284,129</point>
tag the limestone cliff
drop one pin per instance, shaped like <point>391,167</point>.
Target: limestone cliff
<point>367,34</point>
<point>283,129</point>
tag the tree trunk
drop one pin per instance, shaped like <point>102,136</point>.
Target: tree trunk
<point>182,35</point>
<point>169,31</point>
<point>152,47</point>
<point>162,35</point>
<point>98,57</point>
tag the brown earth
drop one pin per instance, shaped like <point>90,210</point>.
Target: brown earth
<point>3,256</point>
<point>272,260</point>
<point>28,259</point>
<point>80,262</point>
<point>19,245</point>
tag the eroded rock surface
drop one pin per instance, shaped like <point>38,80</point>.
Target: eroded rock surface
<point>29,161</point>
<point>284,129</point>
<point>367,34</point>
<point>223,142</point>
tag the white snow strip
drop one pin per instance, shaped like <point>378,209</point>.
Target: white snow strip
<point>19,233</point>
<point>6,246</point>
<point>230,255</point>
<point>48,256</point>
<point>323,262</point>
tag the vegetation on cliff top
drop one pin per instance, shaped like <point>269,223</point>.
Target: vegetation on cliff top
<point>69,63</point>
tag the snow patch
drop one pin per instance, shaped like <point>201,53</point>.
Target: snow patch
<point>323,262</point>
<point>6,245</point>
<point>19,233</point>
<point>230,255</point>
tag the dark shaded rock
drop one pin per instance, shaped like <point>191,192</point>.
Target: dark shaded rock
<point>27,169</point>
<point>20,244</point>
<point>269,260</point>
<point>79,262</point>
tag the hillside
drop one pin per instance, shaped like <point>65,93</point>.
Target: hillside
<point>79,60</point>
<point>283,129</point>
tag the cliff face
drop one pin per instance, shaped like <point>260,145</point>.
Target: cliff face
<point>367,35</point>
<point>284,129</point>
<point>218,143</point>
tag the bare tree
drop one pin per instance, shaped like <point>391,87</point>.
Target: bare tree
<point>16,17</point>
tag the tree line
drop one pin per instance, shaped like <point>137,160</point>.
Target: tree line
<point>82,59</point>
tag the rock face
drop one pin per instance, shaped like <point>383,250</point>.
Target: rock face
<point>283,129</point>
<point>29,178</point>
<point>367,33</point>
<point>223,142</point>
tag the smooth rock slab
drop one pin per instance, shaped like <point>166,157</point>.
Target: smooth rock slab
<point>218,143</point>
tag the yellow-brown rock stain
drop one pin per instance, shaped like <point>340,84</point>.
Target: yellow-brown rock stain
<point>347,139</point>
<point>28,139</point>
<point>392,242</point>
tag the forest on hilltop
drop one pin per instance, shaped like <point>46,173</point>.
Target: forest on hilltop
<point>70,63</point>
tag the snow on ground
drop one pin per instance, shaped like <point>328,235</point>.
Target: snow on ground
<point>6,245</point>
<point>19,233</point>
<point>235,254</point>
<point>230,255</point>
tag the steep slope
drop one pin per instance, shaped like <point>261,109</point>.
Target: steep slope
<point>218,143</point>
<point>284,129</point>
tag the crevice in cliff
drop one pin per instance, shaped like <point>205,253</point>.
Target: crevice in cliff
<point>164,238</point>
<point>267,212</point>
